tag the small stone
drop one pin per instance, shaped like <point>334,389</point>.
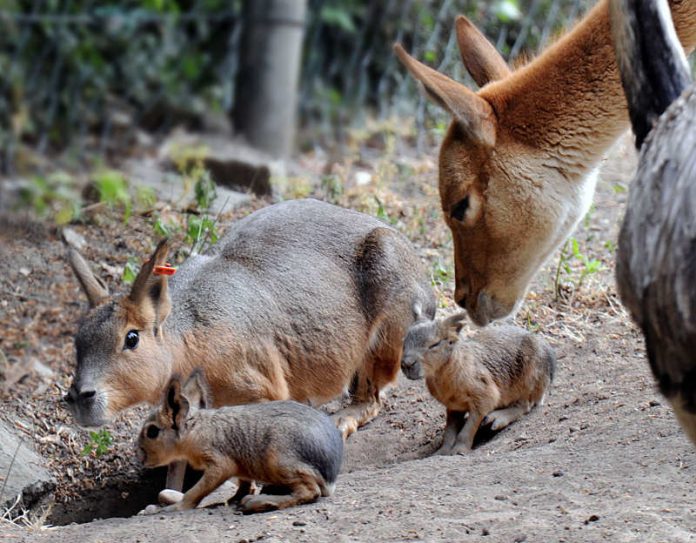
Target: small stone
<point>592,518</point>
<point>485,532</point>
<point>500,498</point>
<point>654,403</point>
<point>557,473</point>
<point>72,238</point>
<point>24,271</point>
<point>299,523</point>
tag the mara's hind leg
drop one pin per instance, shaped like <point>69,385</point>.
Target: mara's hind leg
<point>380,369</point>
<point>305,490</point>
<point>501,418</point>
<point>364,407</point>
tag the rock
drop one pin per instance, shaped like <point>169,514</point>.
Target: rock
<point>169,186</point>
<point>231,163</point>
<point>27,476</point>
<point>74,239</point>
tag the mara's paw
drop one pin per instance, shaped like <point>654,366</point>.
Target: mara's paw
<point>257,504</point>
<point>170,497</point>
<point>151,510</point>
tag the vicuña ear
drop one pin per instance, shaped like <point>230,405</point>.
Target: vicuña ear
<point>93,286</point>
<point>150,292</point>
<point>473,113</point>
<point>197,391</point>
<point>454,324</point>
<point>175,407</point>
<point>480,58</point>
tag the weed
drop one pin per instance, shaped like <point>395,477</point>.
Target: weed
<point>53,195</point>
<point>332,188</point>
<point>440,274</point>
<point>204,186</point>
<point>99,443</point>
<point>130,271</point>
<point>145,197</point>
<point>382,214</point>
<point>163,229</point>
<point>588,266</point>
<point>201,230</point>
<point>113,191</point>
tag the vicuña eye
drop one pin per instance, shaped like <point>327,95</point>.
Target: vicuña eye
<point>152,432</point>
<point>459,210</point>
<point>132,339</point>
<point>435,345</point>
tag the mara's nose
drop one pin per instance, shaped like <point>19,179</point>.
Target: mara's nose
<point>83,396</point>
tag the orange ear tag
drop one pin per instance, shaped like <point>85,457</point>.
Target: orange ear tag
<point>167,269</point>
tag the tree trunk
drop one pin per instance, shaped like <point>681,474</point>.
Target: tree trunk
<point>266,97</point>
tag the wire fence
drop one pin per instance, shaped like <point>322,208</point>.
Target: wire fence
<point>83,78</point>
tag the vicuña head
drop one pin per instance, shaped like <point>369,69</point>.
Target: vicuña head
<point>517,167</point>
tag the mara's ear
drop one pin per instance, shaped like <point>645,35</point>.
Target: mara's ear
<point>175,406</point>
<point>418,312</point>
<point>93,286</point>
<point>150,292</point>
<point>474,114</point>
<point>480,57</point>
<point>451,326</point>
<point>197,391</point>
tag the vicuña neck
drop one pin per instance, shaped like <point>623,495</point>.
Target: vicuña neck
<point>568,102</point>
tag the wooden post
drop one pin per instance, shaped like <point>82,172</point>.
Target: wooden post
<point>269,68</point>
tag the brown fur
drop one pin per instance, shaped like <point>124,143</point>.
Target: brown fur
<point>297,301</point>
<point>284,444</point>
<point>523,150</point>
<point>497,375</point>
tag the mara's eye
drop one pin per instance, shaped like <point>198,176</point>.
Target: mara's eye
<point>152,432</point>
<point>459,210</point>
<point>435,345</point>
<point>132,339</point>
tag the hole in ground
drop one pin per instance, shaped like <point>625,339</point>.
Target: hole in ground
<point>118,498</point>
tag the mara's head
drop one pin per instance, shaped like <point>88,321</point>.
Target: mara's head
<point>429,343</point>
<point>162,432</point>
<point>121,358</point>
<point>493,179</point>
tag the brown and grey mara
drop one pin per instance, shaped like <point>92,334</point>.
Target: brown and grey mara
<point>292,447</point>
<point>494,377</point>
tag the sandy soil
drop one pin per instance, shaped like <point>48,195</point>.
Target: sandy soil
<point>602,460</point>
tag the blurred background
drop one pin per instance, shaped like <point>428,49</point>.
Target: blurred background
<point>84,81</point>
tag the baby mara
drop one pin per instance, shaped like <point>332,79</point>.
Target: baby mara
<point>496,376</point>
<point>292,447</point>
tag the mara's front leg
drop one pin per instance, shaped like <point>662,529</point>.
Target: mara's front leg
<point>465,440</point>
<point>454,424</point>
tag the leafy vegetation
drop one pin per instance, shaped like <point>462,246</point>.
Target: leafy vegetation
<point>99,443</point>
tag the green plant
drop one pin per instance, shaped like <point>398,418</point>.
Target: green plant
<point>113,190</point>
<point>130,271</point>
<point>440,274</point>
<point>332,187</point>
<point>145,197</point>
<point>53,195</point>
<point>163,229</point>
<point>571,253</point>
<point>382,214</point>
<point>204,187</point>
<point>99,443</point>
<point>201,230</point>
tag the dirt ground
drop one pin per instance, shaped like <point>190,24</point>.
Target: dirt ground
<point>603,460</point>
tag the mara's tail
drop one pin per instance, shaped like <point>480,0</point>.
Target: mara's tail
<point>652,63</point>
